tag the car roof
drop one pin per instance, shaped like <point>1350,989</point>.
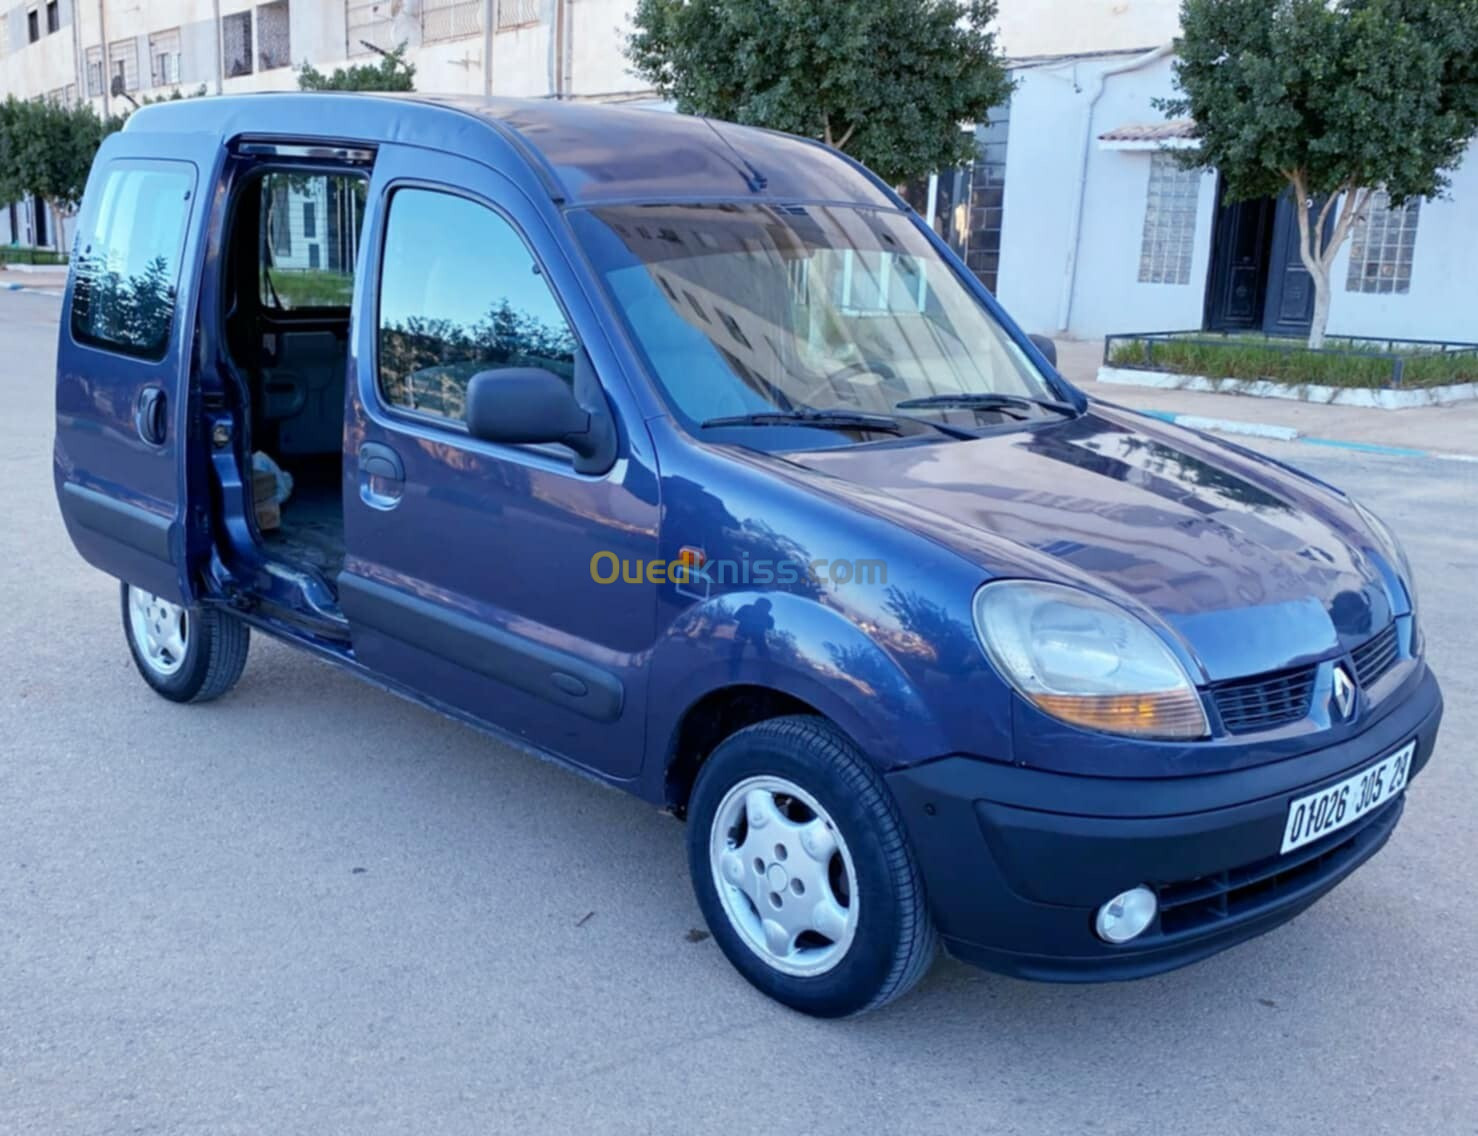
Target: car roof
<point>581,153</point>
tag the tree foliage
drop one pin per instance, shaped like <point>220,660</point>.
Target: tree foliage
<point>1336,99</point>
<point>46,150</point>
<point>888,81</point>
<point>391,72</point>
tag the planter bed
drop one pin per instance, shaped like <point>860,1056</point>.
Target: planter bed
<point>1391,374</point>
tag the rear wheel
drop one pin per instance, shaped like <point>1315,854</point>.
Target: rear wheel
<point>185,654</point>
<point>802,870</point>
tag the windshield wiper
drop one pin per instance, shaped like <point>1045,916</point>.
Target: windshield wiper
<point>988,400</point>
<point>821,419</point>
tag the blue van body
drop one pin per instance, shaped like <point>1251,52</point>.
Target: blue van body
<point>468,582</point>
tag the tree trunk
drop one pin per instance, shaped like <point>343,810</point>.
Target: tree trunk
<point>58,237</point>
<point>1314,250</point>
<point>1321,307</point>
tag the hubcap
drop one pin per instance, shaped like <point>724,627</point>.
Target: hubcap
<point>160,630</point>
<point>784,875</point>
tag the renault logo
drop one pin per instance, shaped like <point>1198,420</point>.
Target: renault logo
<point>1344,692</point>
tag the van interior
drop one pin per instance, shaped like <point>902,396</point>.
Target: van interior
<point>289,258</point>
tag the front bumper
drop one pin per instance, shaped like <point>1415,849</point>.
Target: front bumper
<point>1017,861</point>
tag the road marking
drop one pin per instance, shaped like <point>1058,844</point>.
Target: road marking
<point>1290,434</point>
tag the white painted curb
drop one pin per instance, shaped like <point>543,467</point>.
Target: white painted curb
<point>1376,398</point>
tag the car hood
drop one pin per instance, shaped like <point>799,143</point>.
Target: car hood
<point>1255,567</point>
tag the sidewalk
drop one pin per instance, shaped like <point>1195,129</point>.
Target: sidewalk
<point>48,278</point>
<point>1426,429</point>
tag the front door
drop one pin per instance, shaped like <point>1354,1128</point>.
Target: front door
<point>469,563</point>
<point>1239,265</point>
<point>1290,304</point>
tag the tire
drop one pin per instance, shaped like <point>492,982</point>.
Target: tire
<point>865,933</point>
<point>186,654</point>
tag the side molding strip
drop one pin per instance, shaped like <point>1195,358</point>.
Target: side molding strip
<point>556,676</point>
<point>138,528</point>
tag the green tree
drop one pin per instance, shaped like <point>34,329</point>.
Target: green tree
<point>46,150</point>
<point>1336,99</point>
<point>390,72</point>
<point>888,81</point>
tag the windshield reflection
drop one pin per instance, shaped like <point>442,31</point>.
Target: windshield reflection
<point>749,309</point>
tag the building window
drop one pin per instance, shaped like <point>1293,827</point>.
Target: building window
<point>124,283</point>
<point>33,26</point>
<point>94,57</point>
<point>987,193</point>
<point>273,48</point>
<point>1382,246</point>
<point>464,297</point>
<point>310,220</point>
<point>517,14</point>
<point>369,22</point>
<point>1169,222</point>
<point>164,58</point>
<point>236,44</point>
<point>53,17</point>
<point>69,94</point>
<point>449,19</point>
<point>123,60</point>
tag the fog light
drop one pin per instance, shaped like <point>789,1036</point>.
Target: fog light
<point>1126,916</point>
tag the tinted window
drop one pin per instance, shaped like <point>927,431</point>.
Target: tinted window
<point>128,263</point>
<point>459,294</point>
<point>306,264</point>
<point>753,309</point>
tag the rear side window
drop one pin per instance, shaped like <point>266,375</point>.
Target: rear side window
<point>128,261</point>
<point>309,239</point>
<point>460,293</point>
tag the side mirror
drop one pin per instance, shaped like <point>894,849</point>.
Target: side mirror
<point>1045,346</point>
<point>530,405</point>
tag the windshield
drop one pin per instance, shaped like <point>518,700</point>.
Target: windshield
<point>758,309</point>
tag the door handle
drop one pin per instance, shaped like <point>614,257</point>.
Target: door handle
<point>381,476</point>
<point>149,416</point>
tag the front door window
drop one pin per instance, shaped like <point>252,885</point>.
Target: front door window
<point>454,308</point>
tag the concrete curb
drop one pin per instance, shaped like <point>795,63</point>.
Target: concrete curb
<point>39,269</point>
<point>12,287</point>
<point>1290,434</point>
<point>1372,398</point>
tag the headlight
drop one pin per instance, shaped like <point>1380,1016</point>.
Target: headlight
<point>1392,547</point>
<point>1086,661</point>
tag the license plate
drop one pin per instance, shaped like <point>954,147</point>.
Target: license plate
<point>1333,808</point>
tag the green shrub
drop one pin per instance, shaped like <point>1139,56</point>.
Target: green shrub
<point>25,254</point>
<point>1342,362</point>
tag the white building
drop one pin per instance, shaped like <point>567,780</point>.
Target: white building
<point>1083,226</point>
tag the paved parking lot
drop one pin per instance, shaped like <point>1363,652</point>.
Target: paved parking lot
<point>312,907</point>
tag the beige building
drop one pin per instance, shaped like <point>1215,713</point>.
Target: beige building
<point>87,49</point>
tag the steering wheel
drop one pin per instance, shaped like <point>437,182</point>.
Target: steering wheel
<point>827,385</point>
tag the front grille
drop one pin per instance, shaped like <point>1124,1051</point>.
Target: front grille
<point>1265,701</point>
<point>1376,656</point>
<point>1196,905</point>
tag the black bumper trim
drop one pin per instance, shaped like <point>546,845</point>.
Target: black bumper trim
<point>1013,886</point>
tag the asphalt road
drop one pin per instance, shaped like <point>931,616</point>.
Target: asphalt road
<point>312,907</point>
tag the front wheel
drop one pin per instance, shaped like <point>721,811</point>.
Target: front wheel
<point>186,654</point>
<point>801,867</point>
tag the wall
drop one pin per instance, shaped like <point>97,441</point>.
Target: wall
<point>29,69</point>
<point>524,57</point>
<point>1071,27</point>
<point>1043,159</point>
<point>1444,274</point>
